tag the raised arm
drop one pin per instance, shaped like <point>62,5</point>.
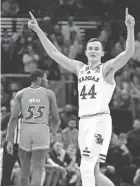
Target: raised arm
<point>69,64</point>
<point>111,66</point>
<point>54,112</point>
<point>14,116</point>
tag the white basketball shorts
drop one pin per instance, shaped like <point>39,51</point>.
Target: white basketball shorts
<point>94,136</point>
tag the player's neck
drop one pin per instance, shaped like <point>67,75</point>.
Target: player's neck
<point>34,85</point>
<point>93,64</point>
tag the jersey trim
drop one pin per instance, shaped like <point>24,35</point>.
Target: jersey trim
<point>34,88</point>
<point>104,113</point>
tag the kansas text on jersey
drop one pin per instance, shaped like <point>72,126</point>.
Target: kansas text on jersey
<point>94,92</point>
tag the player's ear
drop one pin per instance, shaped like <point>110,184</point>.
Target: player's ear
<point>86,52</point>
<point>39,79</point>
<point>103,53</point>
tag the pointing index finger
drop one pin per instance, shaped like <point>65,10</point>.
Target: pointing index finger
<point>33,18</point>
<point>126,11</point>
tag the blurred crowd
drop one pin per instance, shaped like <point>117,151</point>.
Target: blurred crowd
<point>61,8</point>
<point>62,164</point>
<point>22,52</point>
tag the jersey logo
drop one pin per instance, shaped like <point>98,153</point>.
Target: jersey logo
<point>98,139</point>
<point>97,70</point>
<point>82,71</point>
<point>87,68</point>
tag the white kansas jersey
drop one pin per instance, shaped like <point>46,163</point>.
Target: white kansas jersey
<point>94,92</point>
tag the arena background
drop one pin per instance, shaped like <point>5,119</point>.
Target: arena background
<point>21,52</point>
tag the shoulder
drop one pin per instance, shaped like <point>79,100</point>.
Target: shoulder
<point>19,94</point>
<point>78,65</point>
<point>51,94</point>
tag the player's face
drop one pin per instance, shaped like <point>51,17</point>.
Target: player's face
<point>44,81</point>
<point>94,51</point>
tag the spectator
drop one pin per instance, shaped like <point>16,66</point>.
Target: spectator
<point>128,175</point>
<point>67,115</point>
<point>105,37</point>
<point>119,155</point>
<point>10,160</point>
<point>57,38</point>
<point>119,46</point>
<point>70,134</point>
<point>58,137</point>
<point>6,37</point>
<point>125,100</point>
<point>53,173</point>
<point>51,68</point>
<point>30,60</point>
<point>133,139</point>
<point>75,47</point>
<point>6,57</point>
<point>105,33</point>
<point>57,155</point>
<point>109,171</point>
<point>69,162</point>
<point>46,25</point>
<point>5,98</point>
<point>3,111</point>
<point>114,140</point>
<point>9,8</point>
<point>14,87</point>
<point>135,87</point>
<point>68,28</point>
<point>136,56</point>
<point>136,179</point>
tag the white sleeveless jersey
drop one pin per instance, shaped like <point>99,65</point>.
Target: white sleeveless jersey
<point>94,92</point>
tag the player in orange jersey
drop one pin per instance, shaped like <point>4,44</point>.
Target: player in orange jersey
<point>35,103</point>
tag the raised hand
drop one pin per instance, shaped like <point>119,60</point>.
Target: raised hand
<point>32,24</point>
<point>129,20</point>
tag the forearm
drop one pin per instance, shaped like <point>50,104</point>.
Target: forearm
<point>50,161</point>
<point>11,129</point>
<point>130,42</point>
<point>55,126</point>
<point>47,44</point>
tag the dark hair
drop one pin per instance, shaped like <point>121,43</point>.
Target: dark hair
<point>35,74</point>
<point>95,40</point>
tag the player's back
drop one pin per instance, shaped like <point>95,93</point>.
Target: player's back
<point>35,105</point>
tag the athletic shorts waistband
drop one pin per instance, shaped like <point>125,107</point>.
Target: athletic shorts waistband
<point>93,115</point>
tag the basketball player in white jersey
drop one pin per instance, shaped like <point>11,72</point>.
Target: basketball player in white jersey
<point>96,85</point>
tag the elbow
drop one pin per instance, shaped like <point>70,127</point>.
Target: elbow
<point>130,52</point>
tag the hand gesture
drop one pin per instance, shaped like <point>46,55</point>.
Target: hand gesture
<point>129,20</point>
<point>9,147</point>
<point>32,24</point>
